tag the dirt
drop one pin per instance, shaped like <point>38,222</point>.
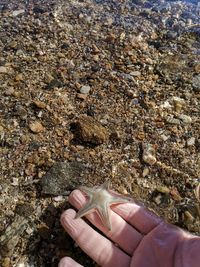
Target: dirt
<point>110,88</point>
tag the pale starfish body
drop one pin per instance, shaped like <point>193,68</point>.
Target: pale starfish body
<point>100,200</point>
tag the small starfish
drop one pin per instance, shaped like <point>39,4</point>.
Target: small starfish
<point>100,200</point>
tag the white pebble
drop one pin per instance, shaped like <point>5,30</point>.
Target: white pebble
<point>191,141</point>
<point>85,89</point>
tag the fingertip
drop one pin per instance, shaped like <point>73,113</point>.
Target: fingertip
<point>77,198</point>
<point>68,262</point>
<point>66,217</point>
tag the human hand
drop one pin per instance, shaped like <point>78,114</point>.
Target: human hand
<point>138,238</point>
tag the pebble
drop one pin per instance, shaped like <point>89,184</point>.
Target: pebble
<point>172,120</point>
<point>6,262</point>
<point>145,172</point>
<point>185,119</point>
<point>135,73</point>
<point>62,178</point>
<point>175,195</point>
<point>19,77</point>
<point>36,127</point>
<point>9,91</point>
<point>21,112</point>
<point>164,137</point>
<point>39,104</point>
<point>179,103</point>
<point>196,83</point>
<point>3,69</point>
<point>188,218</point>
<point>197,192</point>
<point>85,89</point>
<point>15,181</point>
<point>58,198</point>
<point>18,12</point>
<point>163,189</point>
<point>81,96</point>
<point>148,154</point>
<point>191,141</point>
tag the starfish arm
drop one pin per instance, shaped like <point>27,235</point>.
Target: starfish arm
<point>105,185</point>
<point>103,212</point>
<point>88,208</point>
<point>87,190</point>
<point>117,199</point>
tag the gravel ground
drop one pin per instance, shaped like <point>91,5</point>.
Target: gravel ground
<point>95,90</point>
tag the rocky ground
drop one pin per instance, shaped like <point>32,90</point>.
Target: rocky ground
<point>94,90</point>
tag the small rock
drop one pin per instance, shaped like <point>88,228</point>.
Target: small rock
<point>145,172</point>
<point>58,198</point>
<point>3,69</point>
<point>15,181</point>
<point>172,120</point>
<point>6,262</point>
<point>135,73</point>
<point>191,141</point>
<point>9,91</point>
<point>163,189</point>
<point>30,170</point>
<point>53,84</point>
<point>39,104</point>
<point>148,154</point>
<point>13,44</point>
<point>18,12</point>
<point>62,178</point>
<point>196,83</point>
<point>38,10</point>
<point>36,127</point>
<point>197,192</point>
<point>188,218</point>
<point>85,89</point>
<point>81,96</point>
<point>164,137</point>
<point>175,194</point>
<point>89,130</point>
<point>19,77</point>
<point>158,199</point>
<point>185,119</point>
<point>179,103</point>
<point>21,112</point>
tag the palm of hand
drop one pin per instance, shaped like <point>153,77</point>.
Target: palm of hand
<point>142,238</point>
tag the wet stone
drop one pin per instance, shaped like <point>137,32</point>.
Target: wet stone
<point>62,178</point>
